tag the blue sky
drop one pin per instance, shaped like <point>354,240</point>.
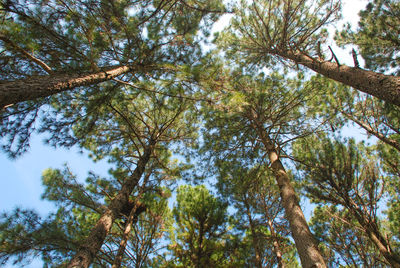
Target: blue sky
<point>20,179</point>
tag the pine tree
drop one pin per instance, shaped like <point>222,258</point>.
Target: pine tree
<point>343,241</point>
<point>261,113</point>
<point>26,235</point>
<point>376,36</point>
<point>84,43</point>
<point>201,225</point>
<point>341,175</point>
<point>258,210</point>
<point>132,134</point>
<point>267,31</point>
<point>75,37</point>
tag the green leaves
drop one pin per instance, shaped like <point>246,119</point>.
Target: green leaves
<point>81,36</point>
<point>376,36</point>
<point>347,176</point>
<point>333,167</point>
<point>226,112</point>
<point>263,28</point>
<point>25,235</point>
<point>336,227</point>
<point>201,225</point>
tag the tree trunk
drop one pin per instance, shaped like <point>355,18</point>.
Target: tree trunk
<point>132,218</point>
<point>200,246</point>
<point>306,244</point>
<point>12,92</point>
<point>384,87</point>
<point>257,261</point>
<point>373,232</point>
<point>92,244</point>
<point>275,239</point>
<point>384,248</point>
<point>277,249</point>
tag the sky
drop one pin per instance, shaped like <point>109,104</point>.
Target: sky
<point>20,179</point>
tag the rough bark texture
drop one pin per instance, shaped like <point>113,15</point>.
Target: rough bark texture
<point>12,92</point>
<point>306,244</point>
<point>384,87</point>
<point>92,244</point>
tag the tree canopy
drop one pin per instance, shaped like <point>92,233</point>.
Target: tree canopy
<point>224,149</point>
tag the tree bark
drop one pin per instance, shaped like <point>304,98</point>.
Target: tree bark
<point>12,92</point>
<point>384,87</point>
<point>384,248</point>
<point>306,245</point>
<point>277,249</point>
<point>92,244</point>
<point>275,239</point>
<point>373,232</point>
<point>132,218</point>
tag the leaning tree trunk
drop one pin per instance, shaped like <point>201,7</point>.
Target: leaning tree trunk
<point>132,218</point>
<point>277,250</point>
<point>274,235</point>
<point>383,246</point>
<point>374,234</point>
<point>384,87</point>
<point>12,92</point>
<point>306,244</point>
<point>92,244</point>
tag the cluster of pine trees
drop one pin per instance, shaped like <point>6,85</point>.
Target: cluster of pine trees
<point>237,131</point>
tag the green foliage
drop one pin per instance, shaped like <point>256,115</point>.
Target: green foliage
<point>72,35</point>
<point>201,225</point>
<point>25,236</point>
<point>259,215</point>
<point>80,36</point>
<point>390,158</point>
<point>271,100</point>
<point>338,170</point>
<point>61,187</point>
<point>175,91</point>
<point>17,125</point>
<point>146,240</point>
<point>377,36</point>
<point>262,28</point>
<point>347,175</point>
<point>342,242</point>
<point>121,130</point>
<point>233,150</point>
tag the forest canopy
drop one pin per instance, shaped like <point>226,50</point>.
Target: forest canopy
<point>216,139</point>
